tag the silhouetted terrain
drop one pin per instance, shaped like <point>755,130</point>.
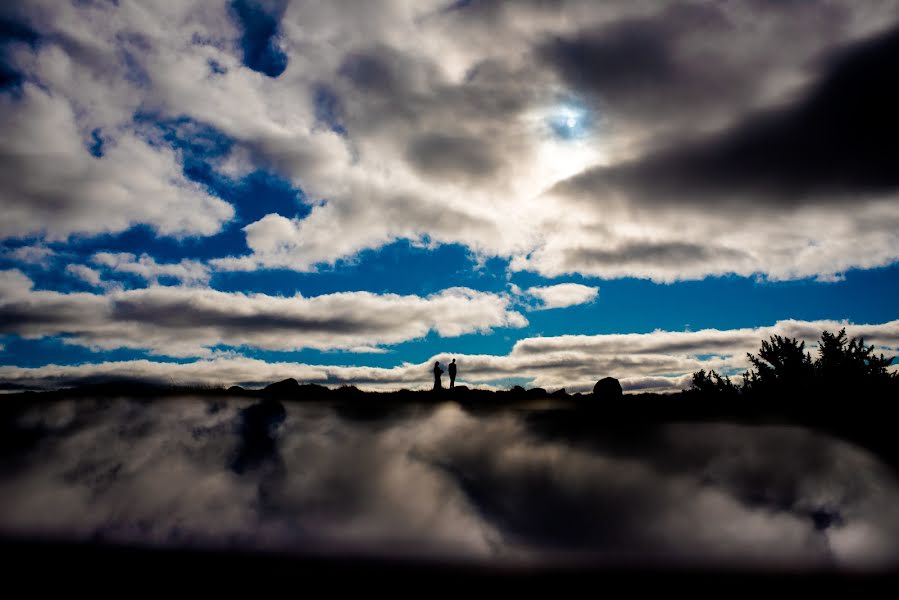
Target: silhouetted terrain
<point>846,391</point>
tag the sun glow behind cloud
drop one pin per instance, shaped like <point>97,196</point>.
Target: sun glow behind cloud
<point>567,141</point>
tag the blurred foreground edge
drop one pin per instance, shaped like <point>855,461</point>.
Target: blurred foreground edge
<point>102,567</point>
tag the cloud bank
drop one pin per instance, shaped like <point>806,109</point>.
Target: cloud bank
<point>189,321</point>
<point>437,123</point>
<point>656,361</point>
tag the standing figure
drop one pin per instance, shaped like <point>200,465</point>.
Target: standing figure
<point>438,372</point>
<point>452,373</point>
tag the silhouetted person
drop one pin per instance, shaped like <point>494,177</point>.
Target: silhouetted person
<point>452,373</point>
<point>438,372</point>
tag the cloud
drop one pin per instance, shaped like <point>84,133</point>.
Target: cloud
<point>52,185</point>
<point>187,321</point>
<point>768,194</point>
<point>562,295</point>
<point>831,144</point>
<point>444,132</point>
<point>186,272</point>
<point>85,273</point>
<point>656,361</point>
<point>396,103</point>
<point>35,254</point>
<point>452,157</point>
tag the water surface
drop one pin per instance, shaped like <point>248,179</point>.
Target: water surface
<point>441,482</point>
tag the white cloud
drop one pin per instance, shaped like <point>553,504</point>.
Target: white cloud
<point>188,321</point>
<point>35,254</point>
<point>186,272</point>
<point>614,238</point>
<point>562,295</point>
<point>85,273</point>
<point>53,186</point>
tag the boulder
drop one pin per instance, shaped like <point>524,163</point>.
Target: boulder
<point>607,388</point>
<point>287,387</point>
<point>536,393</point>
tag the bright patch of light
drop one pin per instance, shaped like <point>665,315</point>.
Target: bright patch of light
<point>569,121</point>
<point>559,159</point>
<point>520,200</point>
<point>567,142</point>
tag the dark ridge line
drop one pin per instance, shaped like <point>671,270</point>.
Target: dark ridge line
<point>867,419</point>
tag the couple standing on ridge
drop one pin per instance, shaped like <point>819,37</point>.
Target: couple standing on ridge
<point>438,372</point>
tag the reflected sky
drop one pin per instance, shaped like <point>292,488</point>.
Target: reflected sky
<point>438,482</point>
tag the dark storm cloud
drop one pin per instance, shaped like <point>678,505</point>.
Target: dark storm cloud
<point>838,142</point>
<point>621,60</point>
<point>672,69</point>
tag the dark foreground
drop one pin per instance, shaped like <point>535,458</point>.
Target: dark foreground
<point>868,418</point>
<point>300,485</point>
<point>104,568</point>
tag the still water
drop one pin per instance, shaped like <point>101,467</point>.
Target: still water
<point>439,482</point>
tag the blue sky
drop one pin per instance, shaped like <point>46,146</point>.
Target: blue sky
<point>238,187</point>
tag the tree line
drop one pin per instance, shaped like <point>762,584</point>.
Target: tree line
<point>842,367</point>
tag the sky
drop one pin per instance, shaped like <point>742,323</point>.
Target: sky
<point>236,192</point>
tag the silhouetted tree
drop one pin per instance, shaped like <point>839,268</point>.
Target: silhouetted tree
<point>844,368</point>
<point>712,383</point>
<point>844,361</point>
<point>782,366</point>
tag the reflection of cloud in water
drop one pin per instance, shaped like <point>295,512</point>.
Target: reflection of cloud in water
<point>439,482</point>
